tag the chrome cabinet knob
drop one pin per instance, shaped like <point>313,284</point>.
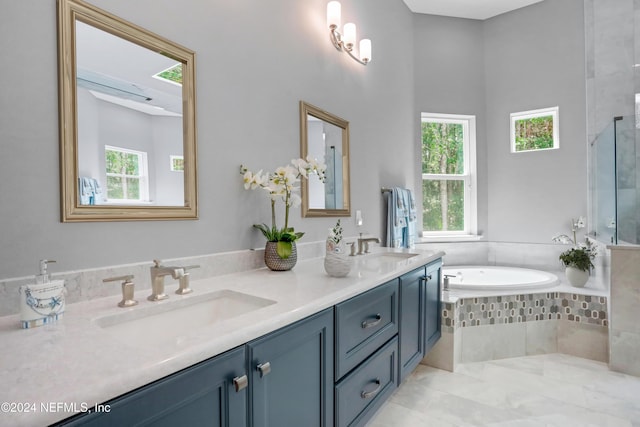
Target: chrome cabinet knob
<point>240,383</point>
<point>264,369</point>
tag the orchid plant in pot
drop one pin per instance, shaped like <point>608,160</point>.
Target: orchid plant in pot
<point>577,260</point>
<point>283,184</point>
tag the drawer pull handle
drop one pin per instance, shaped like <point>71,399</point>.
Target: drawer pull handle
<point>240,383</point>
<point>369,323</point>
<point>427,277</point>
<point>370,394</point>
<point>264,369</point>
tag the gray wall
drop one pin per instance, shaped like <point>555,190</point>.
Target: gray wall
<point>534,58</point>
<point>526,59</point>
<point>255,61</point>
<point>450,79</point>
<point>248,93</point>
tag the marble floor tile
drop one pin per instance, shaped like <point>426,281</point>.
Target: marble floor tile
<point>532,391</point>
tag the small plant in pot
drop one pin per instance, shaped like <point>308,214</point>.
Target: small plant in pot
<point>577,260</point>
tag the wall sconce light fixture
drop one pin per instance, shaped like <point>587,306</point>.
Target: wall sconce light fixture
<point>347,39</point>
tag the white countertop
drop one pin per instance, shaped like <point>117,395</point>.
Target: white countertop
<point>48,371</point>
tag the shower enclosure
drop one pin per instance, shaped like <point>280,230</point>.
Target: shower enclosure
<point>615,183</point>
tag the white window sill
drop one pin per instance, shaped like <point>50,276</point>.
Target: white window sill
<point>451,238</point>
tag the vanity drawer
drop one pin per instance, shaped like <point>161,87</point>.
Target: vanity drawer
<point>363,324</point>
<point>361,393</point>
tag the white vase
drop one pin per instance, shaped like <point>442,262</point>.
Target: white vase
<point>576,277</point>
<point>336,262</point>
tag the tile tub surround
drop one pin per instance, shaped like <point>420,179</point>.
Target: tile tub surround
<point>75,361</point>
<point>625,300</point>
<point>478,327</point>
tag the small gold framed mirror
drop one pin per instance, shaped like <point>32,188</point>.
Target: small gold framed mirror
<point>127,120</point>
<point>325,136</point>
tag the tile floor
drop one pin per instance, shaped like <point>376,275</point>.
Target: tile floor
<point>533,391</point>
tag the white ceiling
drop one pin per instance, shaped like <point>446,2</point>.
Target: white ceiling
<point>472,9</point>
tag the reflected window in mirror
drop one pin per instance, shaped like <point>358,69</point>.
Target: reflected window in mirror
<point>127,107</point>
<point>325,137</point>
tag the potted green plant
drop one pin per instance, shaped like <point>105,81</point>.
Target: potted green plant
<point>577,260</point>
<point>280,251</point>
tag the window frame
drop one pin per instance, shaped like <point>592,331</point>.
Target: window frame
<point>143,176</point>
<point>554,112</point>
<point>469,175</point>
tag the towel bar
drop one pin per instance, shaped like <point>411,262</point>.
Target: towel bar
<point>385,190</point>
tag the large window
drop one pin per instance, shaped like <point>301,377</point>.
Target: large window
<point>448,175</point>
<point>127,177</point>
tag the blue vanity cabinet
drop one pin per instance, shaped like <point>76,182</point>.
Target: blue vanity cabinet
<point>361,393</point>
<point>366,353</point>
<point>433,304</point>
<point>291,375</point>
<point>412,320</point>
<point>201,395</point>
<point>363,324</point>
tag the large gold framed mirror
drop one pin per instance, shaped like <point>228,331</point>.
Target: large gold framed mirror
<point>325,136</point>
<point>127,120</point>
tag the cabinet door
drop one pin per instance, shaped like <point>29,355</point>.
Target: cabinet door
<point>412,320</point>
<point>202,395</point>
<point>433,309</point>
<point>291,378</point>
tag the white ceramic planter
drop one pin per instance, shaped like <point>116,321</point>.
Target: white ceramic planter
<point>576,277</point>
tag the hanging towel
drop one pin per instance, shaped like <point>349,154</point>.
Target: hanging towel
<point>85,190</point>
<point>409,240</point>
<point>395,223</point>
<point>89,189</point>
<point>401,218</point>
<point>97,190</point>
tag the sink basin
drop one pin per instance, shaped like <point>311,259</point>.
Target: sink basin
<point>390,256</point>
<point>379,262</point>
<point>174,320</point>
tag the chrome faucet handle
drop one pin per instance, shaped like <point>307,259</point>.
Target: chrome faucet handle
<point>183,282</point>
<point>127,290</point>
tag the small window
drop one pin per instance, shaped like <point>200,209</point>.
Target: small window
<point>127,177</point>
<point>176,163</point>
<point>535,130</point>
<point>171,75</point>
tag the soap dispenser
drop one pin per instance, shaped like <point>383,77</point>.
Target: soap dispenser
<point>43,301</point>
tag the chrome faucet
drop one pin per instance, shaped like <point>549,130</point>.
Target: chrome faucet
<point>158,271</point>
<point>363,244</point>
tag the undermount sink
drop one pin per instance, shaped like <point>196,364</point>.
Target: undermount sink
<point>378,262</point>
<point>174,320</point>
<point>390,256</point>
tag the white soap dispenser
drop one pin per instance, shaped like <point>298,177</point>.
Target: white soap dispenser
<point>42,302</point>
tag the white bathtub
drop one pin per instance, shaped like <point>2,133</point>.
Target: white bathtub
<point>488,278</point>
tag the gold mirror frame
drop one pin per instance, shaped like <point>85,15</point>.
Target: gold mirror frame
<point>70,11</point>
<point>310,110</point>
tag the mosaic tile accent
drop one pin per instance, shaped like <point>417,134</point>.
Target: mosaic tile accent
<point>506,309</point>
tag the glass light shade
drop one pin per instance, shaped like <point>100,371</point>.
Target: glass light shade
<point>365,50</point>
<point>349,36</point>
<point>333,14</point>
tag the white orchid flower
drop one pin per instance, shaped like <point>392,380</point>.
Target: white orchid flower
<point>562,238</point>
<point>581,223</point>
<point>294,200</point>
<point>301,166</point>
